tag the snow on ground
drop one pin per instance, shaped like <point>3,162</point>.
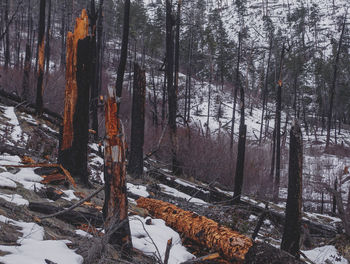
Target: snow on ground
<point>171,191</point>
<point>33,249</point>
<point>15,128</point>
<point>14,198</point>
<point>321,254</point>
<point>152,239</point>
<point>69,195</point>
<point>26,177</point>
<point>137,189</point>
<point>82,233</point>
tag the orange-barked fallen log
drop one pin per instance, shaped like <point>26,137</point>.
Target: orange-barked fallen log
<point>230,244</point>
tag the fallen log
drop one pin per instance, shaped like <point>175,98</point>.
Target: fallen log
<point>231,244</point>
<point>91,216</point>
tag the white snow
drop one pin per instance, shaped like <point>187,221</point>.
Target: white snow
<point>160,234</point>
<point>14,198</point>
<point>34,250</point>
<point>82,233</point>
<point>171,191</point>
<point>321,254</point>
<point>137,189</point>
<point>26,177</point>
<point>69,195</point>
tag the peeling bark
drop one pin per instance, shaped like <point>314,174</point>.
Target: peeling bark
<point>115,209</point>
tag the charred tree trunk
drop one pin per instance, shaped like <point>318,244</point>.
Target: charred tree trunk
<point>94,70</point>
<point>292,226</point>
<point>135,166</point>
<point>27,64</point>
<point>334,84</point>
<point>241,152</point>
<point>124,52</point>
<point>237,84</point>
<point>115,209</point>
<point>99,49</point>
<point>40,59</point>
<point>278,129</point>
<point>265,91</point>
<point>48,35</point>
<point>172,97</point>
<point>177,46</point>
<point>334,205</point>
<point>7,35</point>
<point>73,150</point>
<point>62,32</point>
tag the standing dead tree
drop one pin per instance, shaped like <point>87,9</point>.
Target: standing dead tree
<point>115,209</point>
<point>292,226</point>
<point>135,166</point>
<point>40,59</point>
<point>124,51</point>
<point>278,128</point>
<point>73,147</point>
<point>172,97</point>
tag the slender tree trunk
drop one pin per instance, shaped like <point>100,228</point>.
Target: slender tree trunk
<point>334,84</point>
<point>241,150</point>
<point>237,85</point>
<point>40,59</point>
<point>265,91</point>
<point>63,35</point>
<point>99,58</point>
<point>7,35</point>
<point>172,97</point>
<point>94,70</point>
<point>48,36</point>
<point>292,226</point>
<point>278,128</point>
<point>115,209</point>
<point>124,52</point>
<point>27,66</point>
<point>334,205</point>
<point>135,166</point>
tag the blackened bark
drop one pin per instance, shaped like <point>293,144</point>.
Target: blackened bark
<point>292,226</point>
<point>94,70</point>
<point>27,64</point>
<point>172,97</point>
<point>278,128</point>
<point>135,166</point>
<point>48,35</point>
<point>334,84</point>
<point>240,165</point>
<point>99,48</point>
<point>7,35</point>
<point>237,84</point>
<point>63,37</point>
<point>74,158</point>
<point>40,58</point>
<point>334,205</point>
<point>265,91</point>
<point>177,46</point>
<point>124,52</point>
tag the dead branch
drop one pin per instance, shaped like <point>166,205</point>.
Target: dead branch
<point>75,205</point>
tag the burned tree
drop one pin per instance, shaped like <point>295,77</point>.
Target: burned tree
<point>172,97</point>
<point>27,65</point>
<point>278,128</point>
<point>115,209</point>
<point>292,226</point>
<point>241,150</point>
<point>124,51</point>
<point>40,59</point>
<point>73,148</point>
<point>135,166</point>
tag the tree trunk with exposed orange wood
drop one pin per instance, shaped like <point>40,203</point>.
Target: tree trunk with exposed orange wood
<point>115,209</point>
<point>230,244</point>
<point>40,59</point>
<point>73,146</point>
<point>135,166</point>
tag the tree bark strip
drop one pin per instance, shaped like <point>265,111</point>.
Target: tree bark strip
<point>292,226</point>
<point>27,66</point>
<point>115,209</point>
<point>135,166</point>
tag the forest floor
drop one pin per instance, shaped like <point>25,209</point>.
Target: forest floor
<point>25,238</point>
